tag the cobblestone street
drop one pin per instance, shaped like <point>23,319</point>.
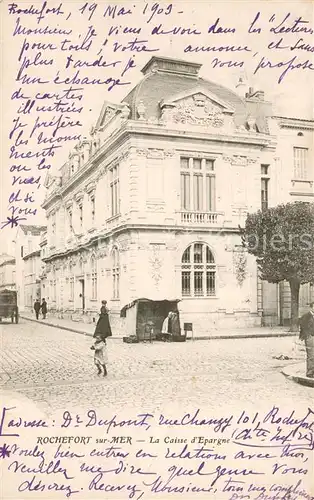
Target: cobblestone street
<point>54,368</point>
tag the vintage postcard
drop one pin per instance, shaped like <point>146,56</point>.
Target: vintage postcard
<point>157,250</point>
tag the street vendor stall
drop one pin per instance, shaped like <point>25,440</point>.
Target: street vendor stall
<point>145,318</point>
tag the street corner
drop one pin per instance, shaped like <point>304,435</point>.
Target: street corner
<point>297,373</point>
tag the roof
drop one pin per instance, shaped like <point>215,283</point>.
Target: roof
<point>35,230</point>
<point>142,300</point>
<point>167,78</point>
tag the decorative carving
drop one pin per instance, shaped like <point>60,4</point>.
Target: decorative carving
<point>156,264</point>
<point>195,110</point>
<point>240,265</point>
<point>141,110</point>
<point>240,160</point>
<point>155,153</point>
<point>252,160</point>
<point>151,153</point>
<point>79,196</point>
<point>168,153</point>
<point>236,160</point>
<point>124,155</point>
<point>90,187</point>
<point>251,122</point>
<point>227,159</point>
<point>125,112</point>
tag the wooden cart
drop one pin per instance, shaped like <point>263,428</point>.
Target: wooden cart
<point>8,305</point>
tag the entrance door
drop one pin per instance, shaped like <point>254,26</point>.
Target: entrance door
<point>82,294</point>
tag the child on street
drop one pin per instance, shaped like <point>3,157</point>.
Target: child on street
<point>100,355</point>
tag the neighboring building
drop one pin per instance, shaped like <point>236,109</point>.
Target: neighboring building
<point>42,273</point>
<point>289,178</point>
<point>28,265</point>
<point>7,272</point>
<point>150,206</point>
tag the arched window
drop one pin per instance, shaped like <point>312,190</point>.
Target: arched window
<point>198,271</point>
<point>94,277</point>
<point>115,273</point>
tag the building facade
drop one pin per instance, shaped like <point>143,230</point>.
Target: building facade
<point>28,265</point>
<point>150,205</point>
<point>7,272</point>
<point>289,178</point>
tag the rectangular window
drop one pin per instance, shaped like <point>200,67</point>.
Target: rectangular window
<point>210,283</point>
<point>300,156</point>
<point>197,164</point>
<point>198,284</point>
<point>186,284</point>
<point>198,193</point>
<point>94,286</point>
<point>114,191</point>
<point>210,193</point>
<point>198,189</point>
<point>264,169</point>
<point>185,191</point>
<point>264,193</point>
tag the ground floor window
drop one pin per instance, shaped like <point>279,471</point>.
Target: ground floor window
<point>198,271</point>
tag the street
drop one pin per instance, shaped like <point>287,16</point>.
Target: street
<point>54,368</point>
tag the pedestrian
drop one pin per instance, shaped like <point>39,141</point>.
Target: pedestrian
<point>165,325</point>
<point>44,308</point>
<point>37,307</point>
<point>307,334</point>
<point>175,324</point>
<point>100,355</point>
<point>103,329</point>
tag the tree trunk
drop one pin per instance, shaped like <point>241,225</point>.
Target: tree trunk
<point>295,292</point>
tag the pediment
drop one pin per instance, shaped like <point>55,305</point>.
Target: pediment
<point>198,98</point>
<point>110,110</point>
<point>107,112</point>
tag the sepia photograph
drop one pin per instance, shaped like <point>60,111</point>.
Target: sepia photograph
<point>157,250</point>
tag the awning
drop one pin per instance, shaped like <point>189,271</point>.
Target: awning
<point>137,301</point>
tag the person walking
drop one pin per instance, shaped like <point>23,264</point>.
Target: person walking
<point>307,334</point>
<point>100,355</point>
<point>37,307</point>
<point>103,328</point>
<point>44,308</point>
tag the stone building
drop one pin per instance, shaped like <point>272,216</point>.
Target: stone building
<point>7,272</point>
<point>289,178</point>
<point>150,205</point>
<point>28,265</point>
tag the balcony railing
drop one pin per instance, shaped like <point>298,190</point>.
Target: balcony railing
<point>202,218</point>
<point>300,186</point>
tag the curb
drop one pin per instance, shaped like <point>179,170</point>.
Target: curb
<point>58,326</point>
<point>211,337</point>
<point>246,336</point>
<point>299,379</point>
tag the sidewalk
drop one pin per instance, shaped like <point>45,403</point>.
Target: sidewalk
<point>296,372</point>
<point>89,328</point>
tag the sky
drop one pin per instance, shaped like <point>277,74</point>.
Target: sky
<point>292,97</point>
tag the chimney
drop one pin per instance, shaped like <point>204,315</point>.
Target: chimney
<point>241,87</point>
